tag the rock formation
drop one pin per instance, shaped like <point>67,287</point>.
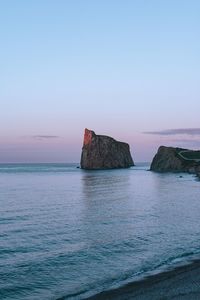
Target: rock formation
<point>197,171</point>
<point>170,159</point>
<point>104,152</point>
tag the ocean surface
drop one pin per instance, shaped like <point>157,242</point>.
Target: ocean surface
<point>66,233</point>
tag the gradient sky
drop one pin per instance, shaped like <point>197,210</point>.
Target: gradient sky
<point>129,69</point>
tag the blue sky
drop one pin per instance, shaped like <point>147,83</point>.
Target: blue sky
<point>121,68</point>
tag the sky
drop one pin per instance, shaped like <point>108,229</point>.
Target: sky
<point>128,69</point>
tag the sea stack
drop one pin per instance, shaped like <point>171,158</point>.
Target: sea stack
<point>170,159</point>
<point>104,152</point>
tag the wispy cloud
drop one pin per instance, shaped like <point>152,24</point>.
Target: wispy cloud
<point>191,143</point>
<point>179,131</point>
<point>45,136</point>
<point>41,137</point>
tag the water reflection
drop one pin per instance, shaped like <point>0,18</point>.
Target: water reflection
<point>97,184</point>
<point>106,196</point>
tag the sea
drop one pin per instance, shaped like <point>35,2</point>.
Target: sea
<point>67,233</point>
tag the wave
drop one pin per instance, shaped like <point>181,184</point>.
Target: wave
<point>114,284</point>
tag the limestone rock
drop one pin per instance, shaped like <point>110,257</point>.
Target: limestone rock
<point>170,159</point>
<point>104,152</point>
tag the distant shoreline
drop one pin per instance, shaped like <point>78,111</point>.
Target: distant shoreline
<point>183,282</point>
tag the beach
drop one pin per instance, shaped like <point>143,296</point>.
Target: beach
<point>181,283</point>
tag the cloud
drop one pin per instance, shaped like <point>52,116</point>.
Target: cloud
<point>192,140</point>
<point>41,137</point>
<point>44,136</point>
<point>180,131</point>
<point>191,143</point>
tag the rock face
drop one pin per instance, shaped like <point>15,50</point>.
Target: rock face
<point>104,152</point>
<point>170,159</point>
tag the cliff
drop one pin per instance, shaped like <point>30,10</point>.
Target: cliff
<point>170,159</point>
<point>104,152</point>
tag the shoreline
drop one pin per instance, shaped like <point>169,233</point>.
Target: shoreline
<point>183,282</point>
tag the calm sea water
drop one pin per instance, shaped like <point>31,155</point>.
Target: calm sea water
<point>66,233</point>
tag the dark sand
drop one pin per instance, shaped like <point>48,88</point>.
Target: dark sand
<point>181,283</point>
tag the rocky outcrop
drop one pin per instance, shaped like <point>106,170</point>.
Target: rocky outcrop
<point>197,171</point>
<point>170,159</point>
<point>104,152</point>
